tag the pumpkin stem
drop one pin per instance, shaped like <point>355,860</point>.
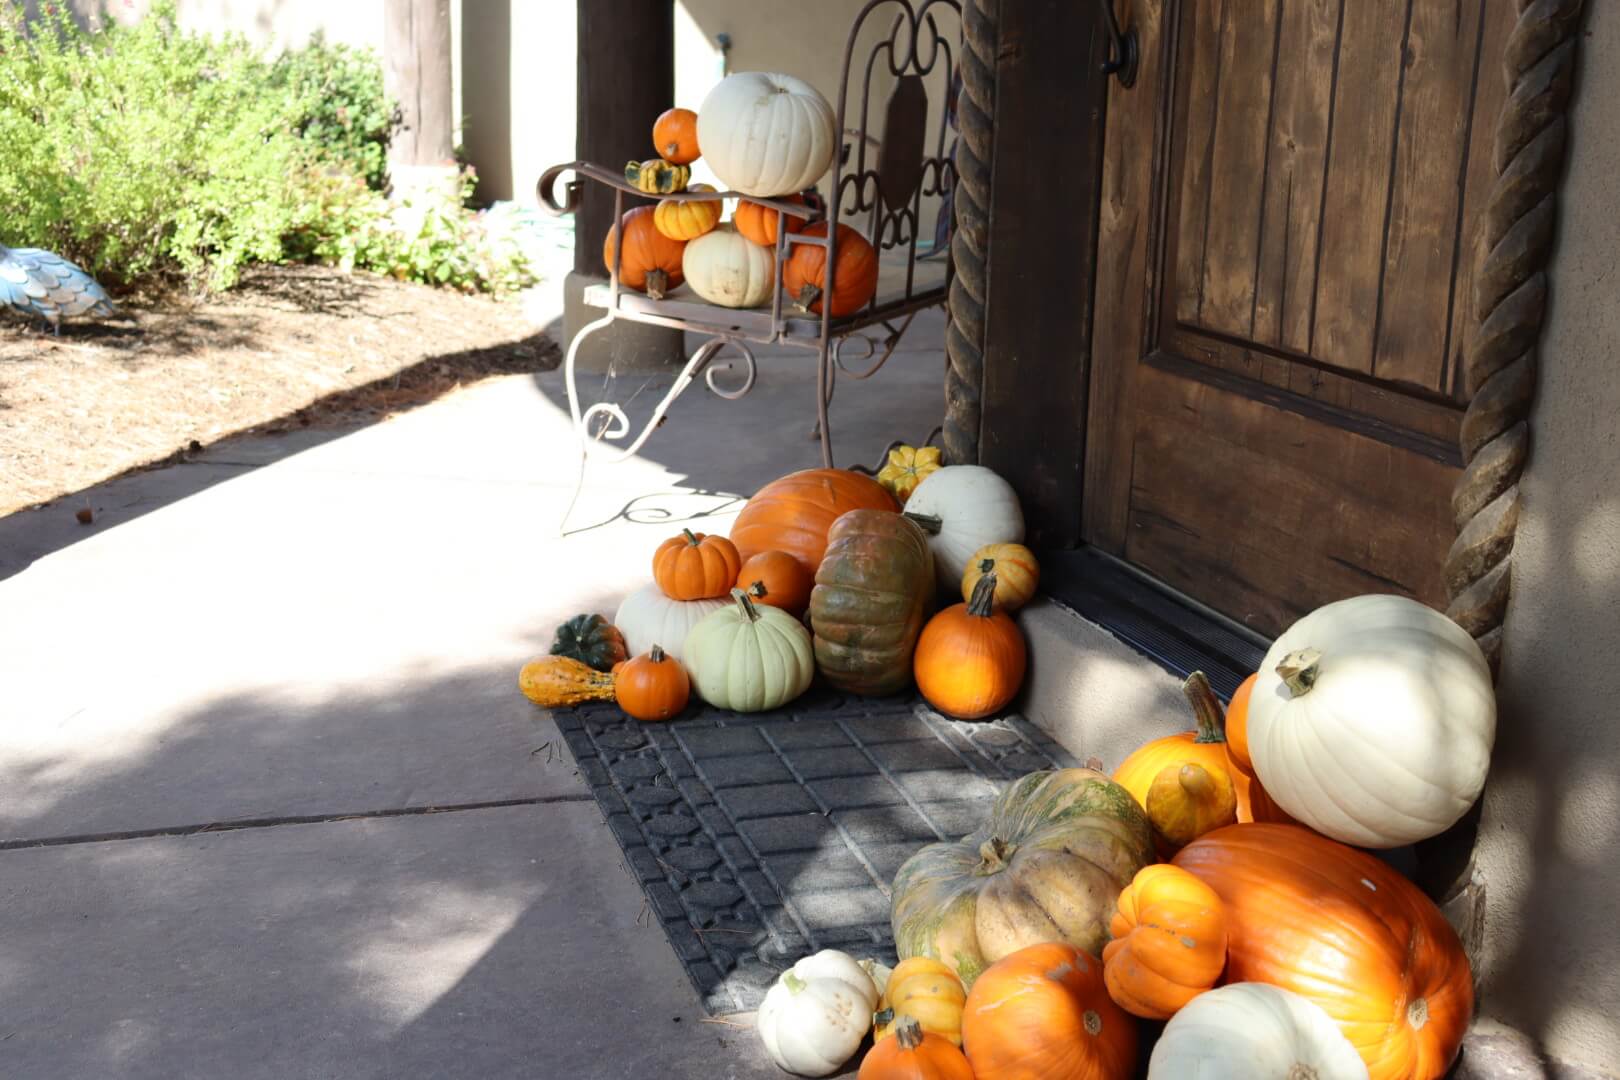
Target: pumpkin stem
<point>984,595</point>
<point>986,565</point>
<point>657,284</point>
<point>1297,1071</point>
<point>794,984</point>
<point>909,1032</point>
<point>994,854</point>
<point>657,654</point>
<point>757,590</point>
<point>1299,670</point>
<point>1206,707</point>
<point>928,523</point>
<point>882,1017</point>
<point>807,297</point>
<point>691,537</point>
<point>746,604</point>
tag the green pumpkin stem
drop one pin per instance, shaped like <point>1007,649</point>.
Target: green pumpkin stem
<point>691,537</point>
<point>909,1032</point>
<point>1299,670</point>
<point>882,1017</point>
<point>983,600</point>
<point>1206,707</point>
<point>928,523</point>
<point>994,854</point>
<point>746,604</point>
<point>794,984</point>
<point>757,590</point>
<point>657,654</point>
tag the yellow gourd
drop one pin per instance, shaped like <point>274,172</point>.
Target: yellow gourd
<point>1016,569</point>
<point>687,219</point>
<point>656,176</point>
<point>928,992</point>
<point>558,681</point>
<point>907,467</point>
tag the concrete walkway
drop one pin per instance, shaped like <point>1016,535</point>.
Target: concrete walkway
<point>270,803</point>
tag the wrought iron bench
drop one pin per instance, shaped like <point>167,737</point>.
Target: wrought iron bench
<point>880,184</point>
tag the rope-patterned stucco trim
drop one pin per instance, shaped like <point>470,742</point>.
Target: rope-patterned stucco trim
<point>1510,305</point>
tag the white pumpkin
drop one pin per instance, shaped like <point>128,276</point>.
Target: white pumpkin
<point>726,268</point>
<point>1252,1031</point>
<point>1371,721</point>
<point>766,134</point>
<point>963,508</point>
<point>647,617</point>
<point>749,657</point>
<point>816,1014</point>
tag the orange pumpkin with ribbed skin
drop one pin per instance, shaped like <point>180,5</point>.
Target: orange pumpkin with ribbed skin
<point>696,566</point>
<point>914,1054</point>
<point>652,686</point>
<point>1043,1013</point>
<point>778,579</point>
<point>1253,803</point>
<point>759,223</point>
<point>1169,944</point>
<point>645,250</point>
<point>804,275</point>
<point>1203,747</point>
<point>794,513</point>
<point>1346,931</point>
<point>675,136</point>
<point>970,659</point>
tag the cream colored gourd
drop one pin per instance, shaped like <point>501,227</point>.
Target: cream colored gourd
<point>1252,1031</point>
<point>749,657</point>
<point>1371,721</point>
<point>962,508</point>
<point>726,268</point>
<point>647,617</point>
<point>765,134</point>
<point>816,1014</point>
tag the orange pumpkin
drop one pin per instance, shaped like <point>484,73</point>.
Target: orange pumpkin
<point>1347,931</point>
<point>970,659</point>
<point>652,686</point>
<point>696,566</point>
<point>794,513</point>
<point>778,579</point>
<point>651,260</point>
<point>1043,1013</point>
<point>1169,942</point>
<point>675,136</point>
<point>759,223</point>
<point>804,275</point>
<point>914,1055</point>
<point>1191,800</point>
<point>1253,803</point>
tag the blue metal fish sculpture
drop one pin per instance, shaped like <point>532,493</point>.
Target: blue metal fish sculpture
<point>40,285</point>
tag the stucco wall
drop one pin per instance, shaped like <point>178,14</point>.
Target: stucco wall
<point>1550,839</point>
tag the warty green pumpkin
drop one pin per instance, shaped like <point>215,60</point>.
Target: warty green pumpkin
<point>872,596</point>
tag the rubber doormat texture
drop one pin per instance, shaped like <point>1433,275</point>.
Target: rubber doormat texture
<point>762,838</point>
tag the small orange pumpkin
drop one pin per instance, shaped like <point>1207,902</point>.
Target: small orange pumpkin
<point>652,686</point>
<point>696,566</point>
<point>914,1054</point>
<point>1189,801</point>
<point>1169,942</point>
<point>778,579</point>
<point>651,260</point>
<point>759,223</point>
<point>1253,802</point>
<point>927,991</point>
<point>970,658</point>
<point>675,136</point>
<point>804,275</point>
<point>1043,1013</point>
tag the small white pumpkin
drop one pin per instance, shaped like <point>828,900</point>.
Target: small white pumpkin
<point>813,1019</point>
<point>962,508</point>
<point>1252,1031</point>
<point>765,134</point>
<point>749,657</point>
<point>647,617</point>
<point>726,268</point>
<point>1372,720</point>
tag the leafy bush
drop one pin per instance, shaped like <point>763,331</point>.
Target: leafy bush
<point>342,109</point>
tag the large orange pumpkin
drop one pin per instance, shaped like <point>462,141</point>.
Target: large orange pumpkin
<point>804,275</point>
<point>1169,942</point>
<point>1253,803</point>
<point>1345,930</point>
<point>646,251</point>
<point>1042,1013</point>
<point>794,513</point>
<point>758,223</point>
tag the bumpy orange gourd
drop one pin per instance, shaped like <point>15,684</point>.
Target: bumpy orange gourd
<point>778,579</point>
<point>674,136</point>
<point>652,686</point>
<point>1193,801</point>
<point>687,219</point>
<point>1017,573</point>
<point>696,566</point>
<point>914,1054</point>
<point>927,991</point>
<point>646,252</point>
<point>794,513</point>
<point>1253,803</point>
<point>1169,942</point>
<point>759,223</point>
<point>970,659</point>
<point>1043,1013</point>
<point>804,275</point>
<point>558,681</point>
<point>1347,931</point>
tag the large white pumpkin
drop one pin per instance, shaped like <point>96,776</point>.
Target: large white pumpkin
<point>1252,1031</point>
<point>749,657</point>
<point>647,617</point>
<point>813,1019</point>
<point>766,134</point>
<point>726,268</point>
<point>1371,721</point>
<point>973,507</point>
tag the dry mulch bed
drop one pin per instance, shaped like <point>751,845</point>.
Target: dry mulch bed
<point>292,346</point>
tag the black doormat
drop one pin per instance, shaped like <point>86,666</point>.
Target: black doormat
<point>762,838</point>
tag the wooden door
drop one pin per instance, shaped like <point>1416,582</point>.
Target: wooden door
<point>1283,260</point>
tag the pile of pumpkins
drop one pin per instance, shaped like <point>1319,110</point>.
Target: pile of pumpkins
<point>827,573</point>
<point>1214,886</point>
<point>771,136</point>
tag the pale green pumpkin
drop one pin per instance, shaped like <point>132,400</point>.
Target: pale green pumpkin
<point>749,657</point>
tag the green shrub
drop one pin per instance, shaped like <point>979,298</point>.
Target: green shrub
<point>342,109</point>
